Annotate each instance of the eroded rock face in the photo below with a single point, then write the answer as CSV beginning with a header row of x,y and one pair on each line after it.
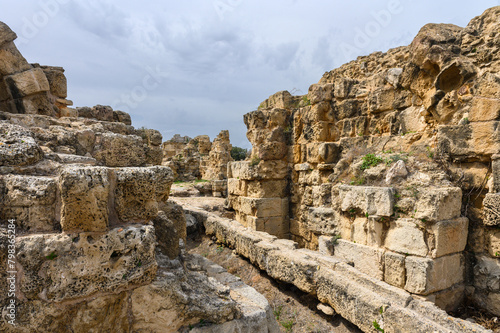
x,y
17,146
79,265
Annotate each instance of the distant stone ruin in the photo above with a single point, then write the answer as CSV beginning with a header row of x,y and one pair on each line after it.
x,y
200,159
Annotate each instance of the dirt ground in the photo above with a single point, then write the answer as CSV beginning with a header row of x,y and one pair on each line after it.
x,y
295,311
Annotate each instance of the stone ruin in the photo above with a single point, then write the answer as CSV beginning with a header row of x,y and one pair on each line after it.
x,y
200,159
377,192
391,164
97,246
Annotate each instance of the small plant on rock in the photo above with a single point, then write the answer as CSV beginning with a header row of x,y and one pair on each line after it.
x,y
255,160
51,256
370,160
377,326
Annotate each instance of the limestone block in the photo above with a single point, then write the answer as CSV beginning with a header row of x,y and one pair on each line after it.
x,y
6,34
245,244
168,234
299,228
367,231
484,109
60,267
322,195
326,244
122,117
281,99
320,92
406,236
487,273
29,190
364,258
27,83
477,139
68,112
18,146
488,85
139,191
395,271
152,136
278,226
324,152
293,267
342,87
348,109
491,205
117,150
450,299
350,298
382,100
102,112
11,60
84,198
266,188
264,207
321,220
489,301
34,104
57,81
495,174
272,150
494,243
425,276
437,204
367,199
29,201
243,170
449,237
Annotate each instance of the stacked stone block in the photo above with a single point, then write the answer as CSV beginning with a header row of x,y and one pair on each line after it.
x,y
422,254
259,197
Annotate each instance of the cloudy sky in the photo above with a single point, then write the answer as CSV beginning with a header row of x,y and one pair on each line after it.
x,y
196,67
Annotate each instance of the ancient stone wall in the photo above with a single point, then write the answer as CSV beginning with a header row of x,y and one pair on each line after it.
x,y
369,303
390,164
198,158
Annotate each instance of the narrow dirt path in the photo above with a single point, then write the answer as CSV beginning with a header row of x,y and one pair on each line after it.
x,y
295,310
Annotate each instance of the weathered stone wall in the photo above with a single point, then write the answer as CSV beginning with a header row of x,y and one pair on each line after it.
x,y
363,300
390,164
198,158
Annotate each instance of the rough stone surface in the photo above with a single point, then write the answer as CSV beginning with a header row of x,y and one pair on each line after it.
x,y
69,266
17,146
117,150
406,236
84,198
369,200
354,295
139,191
425,276
492,209
439,204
